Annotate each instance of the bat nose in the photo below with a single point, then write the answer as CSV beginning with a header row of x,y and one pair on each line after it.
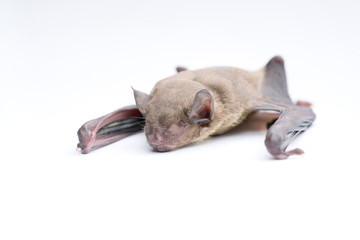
x,y
158,143
155,140
158,137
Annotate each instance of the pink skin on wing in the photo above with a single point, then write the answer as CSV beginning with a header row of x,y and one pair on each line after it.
x,y
89,139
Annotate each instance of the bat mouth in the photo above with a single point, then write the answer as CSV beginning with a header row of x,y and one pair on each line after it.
x,y
162,147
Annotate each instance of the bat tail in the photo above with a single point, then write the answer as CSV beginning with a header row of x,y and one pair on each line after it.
x,y
110,128
274,84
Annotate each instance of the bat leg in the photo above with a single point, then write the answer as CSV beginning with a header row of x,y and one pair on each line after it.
x,y
107,129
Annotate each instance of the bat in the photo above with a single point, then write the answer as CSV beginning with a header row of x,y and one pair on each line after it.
x,y
193,105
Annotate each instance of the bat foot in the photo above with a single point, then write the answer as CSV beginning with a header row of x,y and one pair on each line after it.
x,y
285,155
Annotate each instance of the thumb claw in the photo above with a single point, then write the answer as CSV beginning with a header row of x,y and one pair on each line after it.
x,y
285,155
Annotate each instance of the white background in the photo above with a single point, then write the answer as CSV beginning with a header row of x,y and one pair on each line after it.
x,y
65,62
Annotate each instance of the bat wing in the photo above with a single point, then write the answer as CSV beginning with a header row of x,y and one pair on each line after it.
x,y
112,127
294,118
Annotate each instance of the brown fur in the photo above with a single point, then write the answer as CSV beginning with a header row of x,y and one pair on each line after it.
x,y
233,90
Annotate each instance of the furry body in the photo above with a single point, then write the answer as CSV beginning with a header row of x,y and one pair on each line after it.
x,y
233,90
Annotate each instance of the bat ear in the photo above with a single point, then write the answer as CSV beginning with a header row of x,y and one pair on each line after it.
x,y
141,100
202,112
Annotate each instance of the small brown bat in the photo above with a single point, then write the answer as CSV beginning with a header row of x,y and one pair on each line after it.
x,y
194,105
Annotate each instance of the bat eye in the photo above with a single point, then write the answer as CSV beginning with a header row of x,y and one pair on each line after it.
x,y
202,122
184,124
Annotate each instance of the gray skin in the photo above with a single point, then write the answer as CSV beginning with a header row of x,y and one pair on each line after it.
x,y
194,105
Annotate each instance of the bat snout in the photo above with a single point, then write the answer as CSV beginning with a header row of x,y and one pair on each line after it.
x,y
162,139
159,144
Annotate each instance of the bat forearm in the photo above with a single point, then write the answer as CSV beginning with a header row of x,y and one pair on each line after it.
x,y
107,129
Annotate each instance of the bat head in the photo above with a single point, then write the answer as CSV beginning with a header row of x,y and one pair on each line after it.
x,y
173,120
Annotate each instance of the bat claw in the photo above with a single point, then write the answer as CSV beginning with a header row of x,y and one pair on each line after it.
x,y
303,103
78,148
285,155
